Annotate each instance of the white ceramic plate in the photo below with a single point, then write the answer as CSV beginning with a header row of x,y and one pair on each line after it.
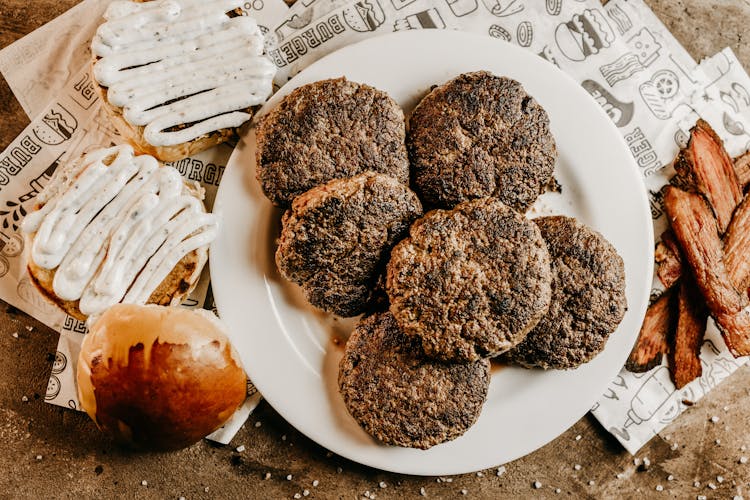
x,y
287,347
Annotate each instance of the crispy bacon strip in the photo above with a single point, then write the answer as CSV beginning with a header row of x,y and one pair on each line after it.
x,y
685,344
695,229
737,247
742,167
652,340
705,165
668,260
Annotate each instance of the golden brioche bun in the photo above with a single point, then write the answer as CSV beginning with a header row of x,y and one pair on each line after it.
x,y
157,377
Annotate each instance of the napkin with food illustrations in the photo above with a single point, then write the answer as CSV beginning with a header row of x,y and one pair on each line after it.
x,y
620,53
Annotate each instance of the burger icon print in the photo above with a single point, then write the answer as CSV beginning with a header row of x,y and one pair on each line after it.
x,y
584,35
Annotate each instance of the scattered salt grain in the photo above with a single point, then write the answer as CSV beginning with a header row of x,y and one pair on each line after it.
x,y
537,485
480,474
674,446
240,448
578,437
15,335
297,495
258,424
38,457
718,441
714,419
720,479
339,470
743,460
636,461
557,490
670,477
659,487
701,497
592,483
697,484
205,490
267,476
620,475
500,470
283,438
144,483
737,497
422,492
305,493
464,492
25,399
315,483
577,466
726,408
288,477
712,486
29,328
382,484
447,479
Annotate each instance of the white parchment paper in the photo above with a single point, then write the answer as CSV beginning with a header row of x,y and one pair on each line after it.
x,y
620,53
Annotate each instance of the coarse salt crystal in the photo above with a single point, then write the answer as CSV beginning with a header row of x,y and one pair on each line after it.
x,y
480,474
659,487
288,477
743,460
38,457
305,493
15,335
712,486
267,476
577,466
578,437
25,399
697,484
315,483
537,485
501,470
592,483
144,483
422,492
674,446
557,490
382,484
297,495
240,448
464,492
257,424
720,479
714,419
670,477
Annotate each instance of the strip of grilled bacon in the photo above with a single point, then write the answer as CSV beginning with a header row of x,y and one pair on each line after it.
x,y
685,344
705,165
695,228
737,247
652,340
742,167
668,260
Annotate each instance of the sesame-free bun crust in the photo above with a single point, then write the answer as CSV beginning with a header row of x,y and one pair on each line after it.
x,y
159,377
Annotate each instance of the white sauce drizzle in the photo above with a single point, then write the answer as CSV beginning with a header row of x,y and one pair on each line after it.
x,y
154,52
114,232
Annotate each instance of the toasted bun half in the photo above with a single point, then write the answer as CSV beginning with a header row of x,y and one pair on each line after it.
x,y
158,377
172,290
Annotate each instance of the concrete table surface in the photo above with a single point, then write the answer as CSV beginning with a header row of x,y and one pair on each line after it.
x,y
50,452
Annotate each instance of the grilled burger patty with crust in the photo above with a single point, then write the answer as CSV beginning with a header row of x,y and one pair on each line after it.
x,y
470,282
401,397
480,135
336,238
588,298
328,130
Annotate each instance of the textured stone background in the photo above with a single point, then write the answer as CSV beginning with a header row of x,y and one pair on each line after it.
x,y
48,452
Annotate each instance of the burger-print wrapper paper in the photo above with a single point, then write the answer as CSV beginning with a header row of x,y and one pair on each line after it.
x,y
67,120
620,53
